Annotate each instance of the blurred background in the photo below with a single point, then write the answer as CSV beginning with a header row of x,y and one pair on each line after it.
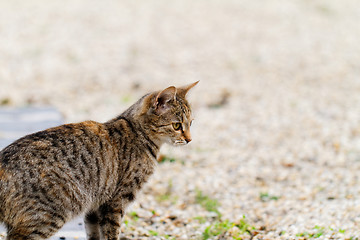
x,y
276,137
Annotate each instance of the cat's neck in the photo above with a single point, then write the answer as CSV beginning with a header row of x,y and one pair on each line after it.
x,y
138,126
134,116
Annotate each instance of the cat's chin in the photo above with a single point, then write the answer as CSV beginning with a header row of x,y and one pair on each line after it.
x,y
175,143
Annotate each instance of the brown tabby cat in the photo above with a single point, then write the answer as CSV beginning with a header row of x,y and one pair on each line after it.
x,y
49,177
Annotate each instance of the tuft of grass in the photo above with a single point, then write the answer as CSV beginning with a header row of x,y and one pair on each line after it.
x,y
163,159
217,229
318,232
5,101
222,228
169,237
126,99
223,100
303,234
163,197
153,233
207,203
265,197
244,226
167,196
134,216
201,220
325,10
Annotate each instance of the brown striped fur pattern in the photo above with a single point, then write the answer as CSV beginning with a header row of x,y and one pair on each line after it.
x,y
49,177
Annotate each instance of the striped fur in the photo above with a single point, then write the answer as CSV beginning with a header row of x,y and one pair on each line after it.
x,y
96,169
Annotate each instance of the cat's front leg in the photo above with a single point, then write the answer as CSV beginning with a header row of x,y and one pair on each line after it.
x,y
111,214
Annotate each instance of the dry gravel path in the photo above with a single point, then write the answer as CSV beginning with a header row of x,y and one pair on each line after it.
x,y
277,130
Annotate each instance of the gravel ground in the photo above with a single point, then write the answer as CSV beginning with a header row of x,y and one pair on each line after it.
x,y
276,150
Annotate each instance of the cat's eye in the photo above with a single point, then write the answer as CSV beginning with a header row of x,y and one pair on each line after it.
x,y
177,126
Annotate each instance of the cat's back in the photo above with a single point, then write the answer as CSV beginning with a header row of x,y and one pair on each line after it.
x,y
73,159
52,145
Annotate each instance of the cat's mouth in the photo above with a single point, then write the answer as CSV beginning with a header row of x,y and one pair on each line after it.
x,y
180,142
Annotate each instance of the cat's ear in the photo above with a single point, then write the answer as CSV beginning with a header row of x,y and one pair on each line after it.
x,y
163,98
182,91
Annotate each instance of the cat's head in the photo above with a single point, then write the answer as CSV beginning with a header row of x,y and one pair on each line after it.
x,y
169,115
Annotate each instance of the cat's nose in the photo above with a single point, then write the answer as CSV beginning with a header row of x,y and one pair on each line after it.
x,y
187,136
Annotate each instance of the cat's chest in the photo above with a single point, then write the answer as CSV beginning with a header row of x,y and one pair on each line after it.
x,y
138,172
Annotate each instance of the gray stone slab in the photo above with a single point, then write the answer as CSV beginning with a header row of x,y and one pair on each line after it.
x,y
16,123
73,230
